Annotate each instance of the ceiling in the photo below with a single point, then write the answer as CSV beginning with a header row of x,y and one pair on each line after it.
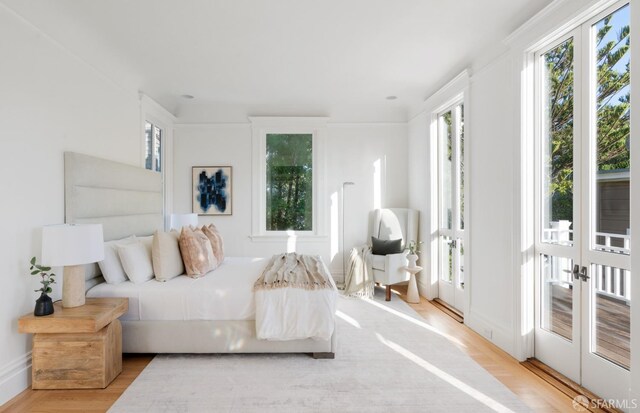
x,y
338,58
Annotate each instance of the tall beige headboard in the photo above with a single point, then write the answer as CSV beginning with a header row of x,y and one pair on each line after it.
x,y
125,199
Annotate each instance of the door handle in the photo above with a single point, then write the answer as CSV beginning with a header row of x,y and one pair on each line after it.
x,y
583,274
575,272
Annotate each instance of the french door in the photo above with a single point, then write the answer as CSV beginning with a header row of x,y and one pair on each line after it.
x,y
583,277
451,206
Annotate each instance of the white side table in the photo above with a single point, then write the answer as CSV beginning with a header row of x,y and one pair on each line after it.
x,y
412,289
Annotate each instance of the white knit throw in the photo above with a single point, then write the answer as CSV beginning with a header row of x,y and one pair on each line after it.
x,y
358,281
294,271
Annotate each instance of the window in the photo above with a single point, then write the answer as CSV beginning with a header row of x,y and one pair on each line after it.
x,y
153,147
287,177
289,159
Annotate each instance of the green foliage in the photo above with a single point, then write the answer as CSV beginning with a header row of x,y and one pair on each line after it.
x,y
414,247
289,182
43,272
612,106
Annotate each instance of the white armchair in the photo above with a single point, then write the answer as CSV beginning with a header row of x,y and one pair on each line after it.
x,y
392,224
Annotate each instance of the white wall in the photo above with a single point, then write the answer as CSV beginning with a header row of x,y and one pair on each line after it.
x,y
491,186
352,150
50,102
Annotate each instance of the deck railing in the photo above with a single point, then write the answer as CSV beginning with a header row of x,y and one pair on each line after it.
x,y
609,281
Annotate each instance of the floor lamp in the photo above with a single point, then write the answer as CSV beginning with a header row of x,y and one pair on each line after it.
x,y
344,267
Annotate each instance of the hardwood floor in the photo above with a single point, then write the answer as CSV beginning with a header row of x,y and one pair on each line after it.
x,y
539,395
613,323
535,392
80,401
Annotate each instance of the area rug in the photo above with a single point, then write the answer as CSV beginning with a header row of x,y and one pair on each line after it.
x,y
388,360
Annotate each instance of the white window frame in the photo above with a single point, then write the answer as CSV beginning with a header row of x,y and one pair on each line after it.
x,y
151,111
261,127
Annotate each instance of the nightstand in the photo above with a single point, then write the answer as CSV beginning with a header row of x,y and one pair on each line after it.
x,y
79,347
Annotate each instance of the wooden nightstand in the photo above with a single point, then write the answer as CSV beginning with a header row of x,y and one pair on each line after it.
x,y
79,347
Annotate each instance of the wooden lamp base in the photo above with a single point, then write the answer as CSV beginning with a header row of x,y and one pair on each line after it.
x,y
73,292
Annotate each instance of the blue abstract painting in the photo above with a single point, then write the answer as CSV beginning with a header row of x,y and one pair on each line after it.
x,y
212,190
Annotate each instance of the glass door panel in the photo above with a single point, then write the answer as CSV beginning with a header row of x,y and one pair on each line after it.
x,y
557,151
451,213
557,295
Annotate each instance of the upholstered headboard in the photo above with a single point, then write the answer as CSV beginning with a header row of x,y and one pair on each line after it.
x,y
125,199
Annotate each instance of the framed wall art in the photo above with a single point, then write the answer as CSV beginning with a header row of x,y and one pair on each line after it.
x,y
212,190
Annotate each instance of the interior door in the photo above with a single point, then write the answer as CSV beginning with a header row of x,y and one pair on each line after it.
x,y
451,212
583,212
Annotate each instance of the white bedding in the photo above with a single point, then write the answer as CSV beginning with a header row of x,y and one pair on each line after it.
x,y
223,294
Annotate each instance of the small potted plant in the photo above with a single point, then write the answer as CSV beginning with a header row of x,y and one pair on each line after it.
x,y
414,250
44,305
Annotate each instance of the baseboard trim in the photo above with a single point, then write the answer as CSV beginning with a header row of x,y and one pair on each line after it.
x,y
15,377
496,334
587,399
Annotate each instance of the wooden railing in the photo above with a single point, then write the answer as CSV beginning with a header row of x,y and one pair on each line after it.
x,y
609,281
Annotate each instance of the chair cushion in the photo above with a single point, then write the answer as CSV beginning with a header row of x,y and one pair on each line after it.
x,y
384,247
377,262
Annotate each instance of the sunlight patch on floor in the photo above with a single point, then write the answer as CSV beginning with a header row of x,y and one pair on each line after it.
x,y
348,319
414,321
476,394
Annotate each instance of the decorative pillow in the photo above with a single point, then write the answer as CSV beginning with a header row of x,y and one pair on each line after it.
x,y
385,247
165,255
136,261
146,241
216,241
111,267
197,252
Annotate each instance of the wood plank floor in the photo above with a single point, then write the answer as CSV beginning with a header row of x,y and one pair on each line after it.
x,y
613,324
539,395
535,392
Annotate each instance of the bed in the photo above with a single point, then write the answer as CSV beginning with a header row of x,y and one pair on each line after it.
x,y
212,314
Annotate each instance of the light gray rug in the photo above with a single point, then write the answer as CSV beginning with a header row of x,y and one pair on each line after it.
x,y
389,360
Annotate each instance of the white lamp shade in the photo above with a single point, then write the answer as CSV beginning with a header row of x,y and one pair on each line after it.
x,y
178,221
72,244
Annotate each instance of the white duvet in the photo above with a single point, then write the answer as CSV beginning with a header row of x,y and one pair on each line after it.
x,y
223,294
294,313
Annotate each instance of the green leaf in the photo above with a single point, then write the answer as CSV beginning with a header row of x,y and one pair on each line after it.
x,y
33,261
46,268
35,272
49,290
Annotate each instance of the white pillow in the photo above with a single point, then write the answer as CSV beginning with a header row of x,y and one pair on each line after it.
x,y
147,242
165,254
111,267
136,261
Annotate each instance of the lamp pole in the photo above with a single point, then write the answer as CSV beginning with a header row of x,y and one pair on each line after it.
x,y
344,268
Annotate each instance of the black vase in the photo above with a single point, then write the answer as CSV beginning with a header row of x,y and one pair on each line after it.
x,y
44,306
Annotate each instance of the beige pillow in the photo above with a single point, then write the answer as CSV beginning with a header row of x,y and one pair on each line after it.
x,y
196,252
165,254
136,261
216,241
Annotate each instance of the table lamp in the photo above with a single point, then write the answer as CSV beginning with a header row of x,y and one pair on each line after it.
x,y
178,221
71,246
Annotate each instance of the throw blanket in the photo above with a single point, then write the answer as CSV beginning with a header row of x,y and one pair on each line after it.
x,y
358,281
295,299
